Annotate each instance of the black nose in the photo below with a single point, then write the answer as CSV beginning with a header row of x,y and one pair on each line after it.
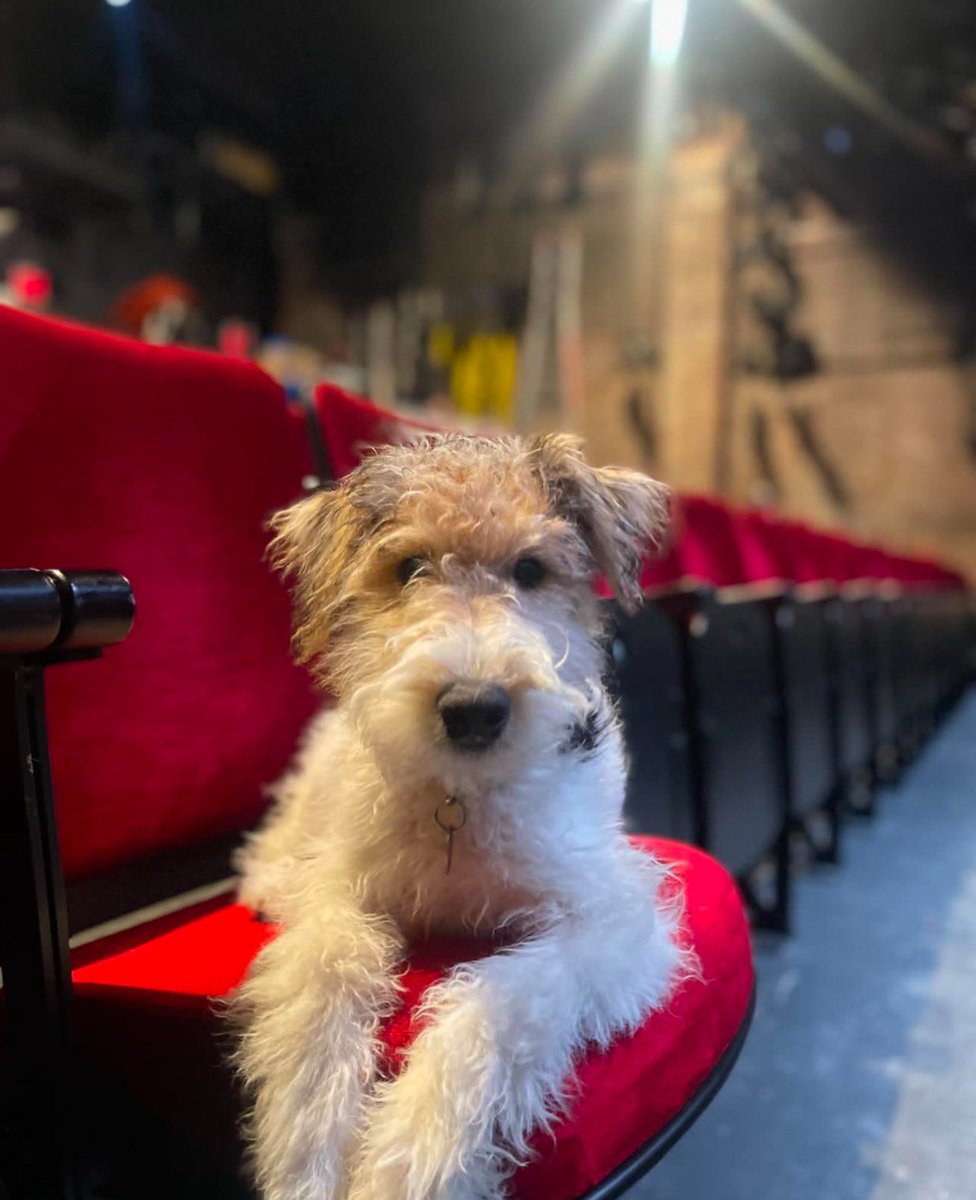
x,y
474,715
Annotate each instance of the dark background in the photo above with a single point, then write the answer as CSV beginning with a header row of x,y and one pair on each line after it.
x,y
361,103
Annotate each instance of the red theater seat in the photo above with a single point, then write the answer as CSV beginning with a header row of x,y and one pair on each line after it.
x,y
163,464
627,1096
351,425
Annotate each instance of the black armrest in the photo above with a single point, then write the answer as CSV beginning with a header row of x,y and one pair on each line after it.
x,y
46,617
30,612
45,612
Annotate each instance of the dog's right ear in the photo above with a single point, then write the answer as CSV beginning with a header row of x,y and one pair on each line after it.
x,y
621,514
312,546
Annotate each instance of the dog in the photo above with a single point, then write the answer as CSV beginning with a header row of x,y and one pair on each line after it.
x,y
468,778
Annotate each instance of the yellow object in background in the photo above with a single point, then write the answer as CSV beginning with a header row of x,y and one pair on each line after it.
x,y
483,376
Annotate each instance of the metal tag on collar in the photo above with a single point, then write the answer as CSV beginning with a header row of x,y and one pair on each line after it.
x,y
450,816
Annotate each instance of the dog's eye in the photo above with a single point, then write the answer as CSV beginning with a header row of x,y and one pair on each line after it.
x,y
529,573
409,568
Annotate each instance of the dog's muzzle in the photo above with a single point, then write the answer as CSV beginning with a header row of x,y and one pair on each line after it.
x,y
474,715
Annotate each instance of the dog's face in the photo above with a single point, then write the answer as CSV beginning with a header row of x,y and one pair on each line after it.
x,y
444,593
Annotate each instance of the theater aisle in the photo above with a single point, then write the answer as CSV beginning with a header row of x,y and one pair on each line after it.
x,y
858,1081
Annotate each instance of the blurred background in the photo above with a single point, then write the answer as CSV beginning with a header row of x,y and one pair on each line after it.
x,y
729,241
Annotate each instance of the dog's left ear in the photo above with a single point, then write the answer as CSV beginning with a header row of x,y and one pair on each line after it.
x,y
620,514
313,546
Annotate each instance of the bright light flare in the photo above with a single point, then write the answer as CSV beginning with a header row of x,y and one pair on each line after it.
x,y
544,130
667,30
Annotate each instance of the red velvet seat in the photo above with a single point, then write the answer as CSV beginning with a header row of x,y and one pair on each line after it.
x,y
708,548
163,464
351,425
626,1096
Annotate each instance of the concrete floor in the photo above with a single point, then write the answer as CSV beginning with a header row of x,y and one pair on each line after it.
x,y
858,1081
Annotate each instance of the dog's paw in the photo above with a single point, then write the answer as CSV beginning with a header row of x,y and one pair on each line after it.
x,y
395,1177
429,1132
405,1155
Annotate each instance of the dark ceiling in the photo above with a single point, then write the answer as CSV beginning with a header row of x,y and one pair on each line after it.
x,y
361,101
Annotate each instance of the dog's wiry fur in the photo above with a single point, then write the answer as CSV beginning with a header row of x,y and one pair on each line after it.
x,y
351,863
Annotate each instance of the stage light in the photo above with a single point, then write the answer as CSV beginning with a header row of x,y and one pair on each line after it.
x,y
667,30
117,3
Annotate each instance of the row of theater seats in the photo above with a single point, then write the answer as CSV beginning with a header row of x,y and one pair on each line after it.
x,y
758,717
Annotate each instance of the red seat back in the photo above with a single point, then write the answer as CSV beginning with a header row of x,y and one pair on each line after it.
x,y
708,547
162,464
766,553
351,425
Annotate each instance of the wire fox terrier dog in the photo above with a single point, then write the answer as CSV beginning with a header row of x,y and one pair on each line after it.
x,y
468,779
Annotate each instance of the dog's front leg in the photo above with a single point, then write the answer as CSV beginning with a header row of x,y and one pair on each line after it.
x,y
309,1011
491,1065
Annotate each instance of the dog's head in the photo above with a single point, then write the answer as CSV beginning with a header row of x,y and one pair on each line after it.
x,y
443,591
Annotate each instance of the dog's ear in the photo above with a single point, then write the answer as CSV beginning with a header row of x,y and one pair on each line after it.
x,y
620,514
313,543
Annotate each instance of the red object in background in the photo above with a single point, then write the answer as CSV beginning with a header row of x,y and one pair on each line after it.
x,y
236,339
129,312
626,1094
30,285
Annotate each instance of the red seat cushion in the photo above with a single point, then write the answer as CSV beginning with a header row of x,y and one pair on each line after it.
x,y
626,1095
